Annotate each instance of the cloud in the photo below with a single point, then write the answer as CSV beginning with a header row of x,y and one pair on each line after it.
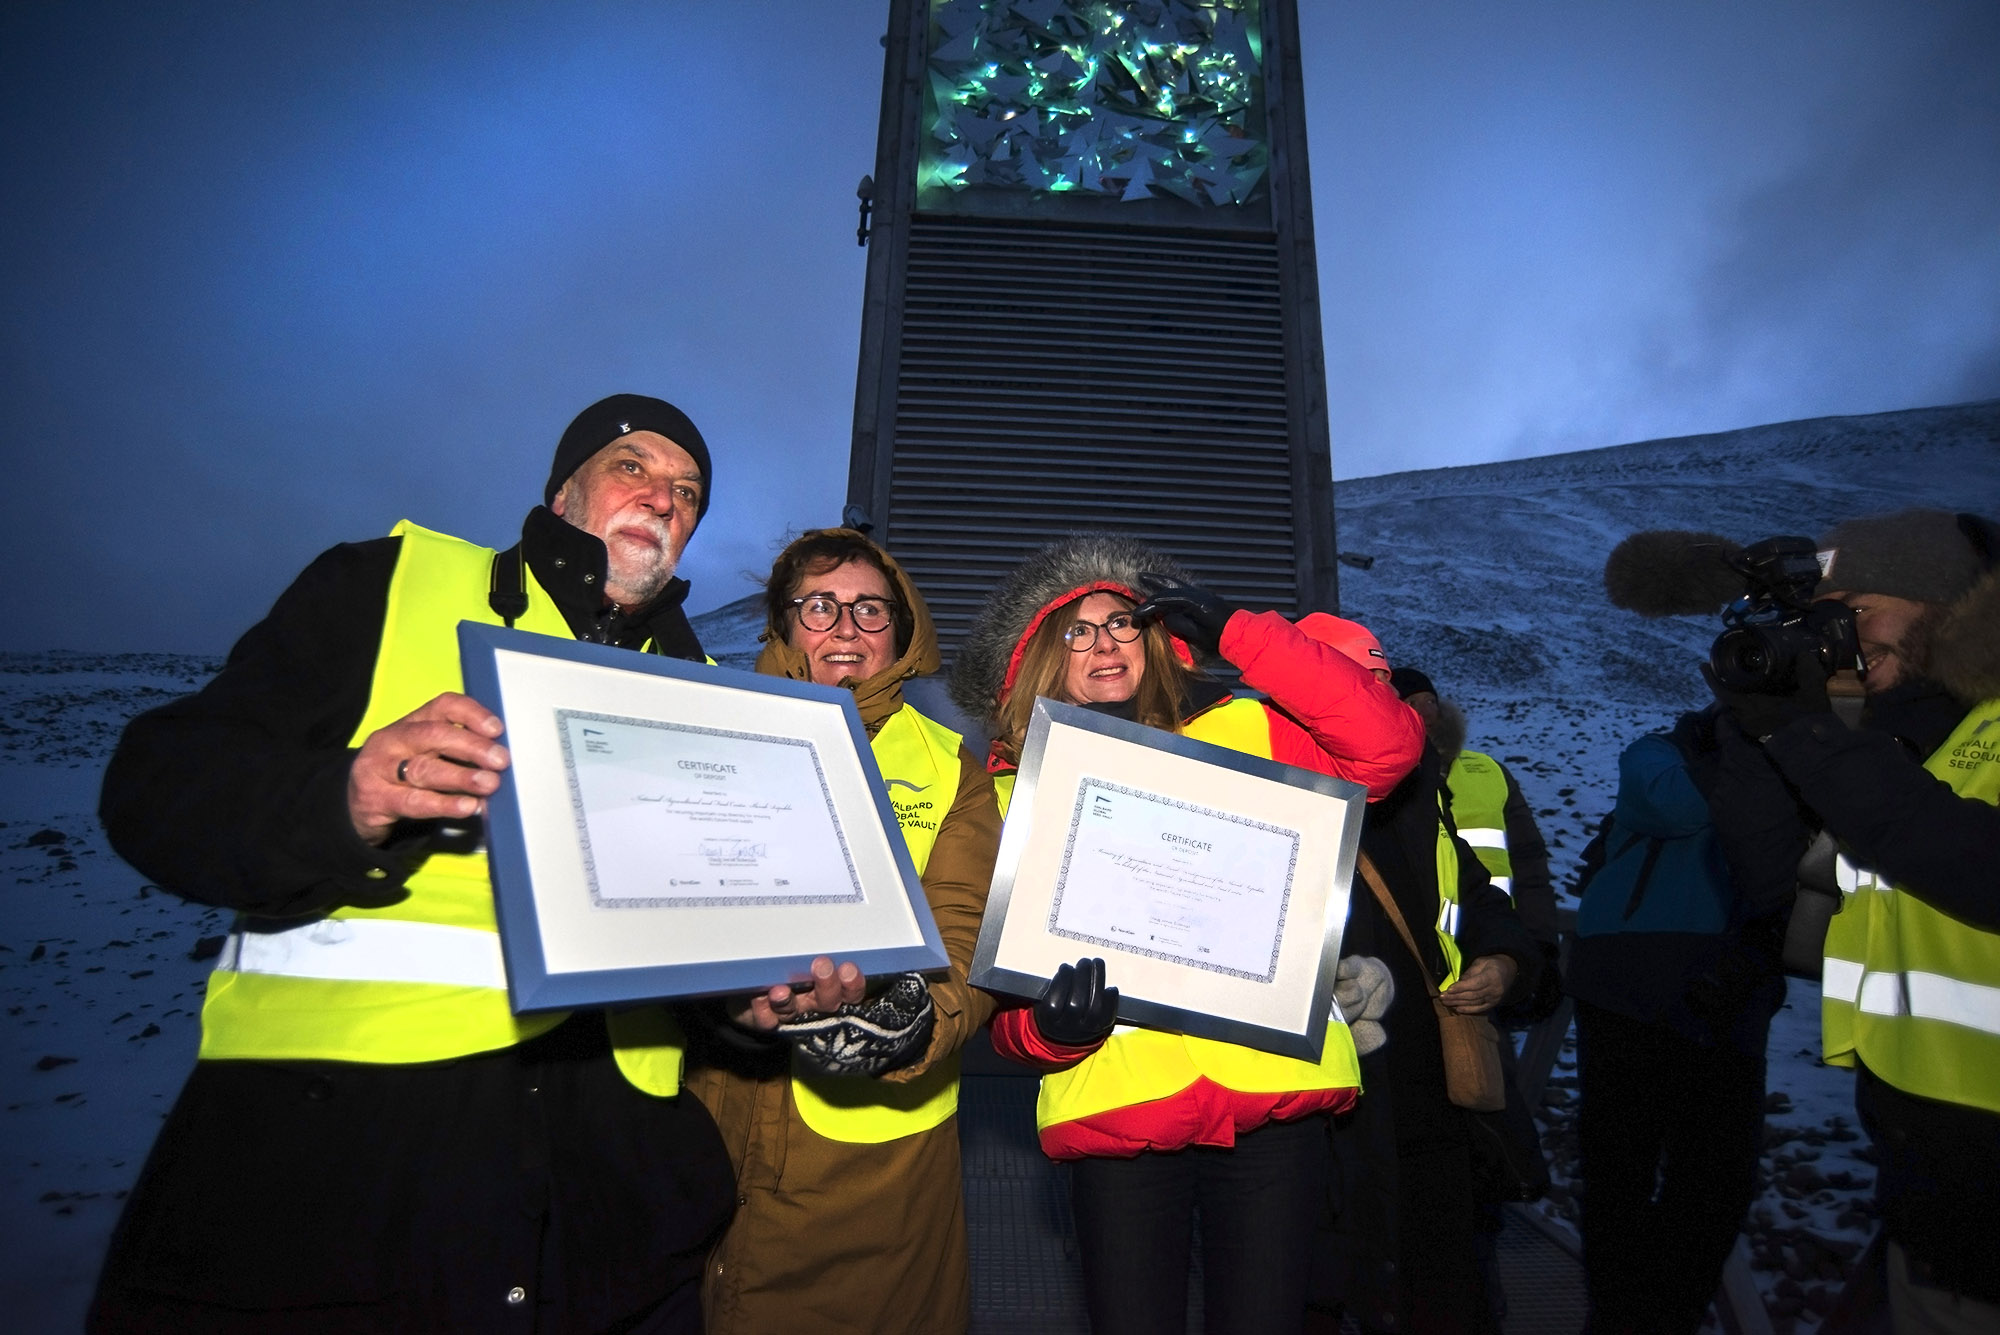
x,y
1865,274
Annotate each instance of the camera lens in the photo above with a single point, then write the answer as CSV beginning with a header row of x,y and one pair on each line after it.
x,y
1750,658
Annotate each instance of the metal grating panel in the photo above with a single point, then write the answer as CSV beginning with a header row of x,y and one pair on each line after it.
x,y
1057,376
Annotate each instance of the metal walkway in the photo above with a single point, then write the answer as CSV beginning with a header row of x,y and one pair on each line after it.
x,y
1025,1275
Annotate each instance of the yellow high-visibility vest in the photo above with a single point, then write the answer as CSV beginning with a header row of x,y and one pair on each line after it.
x,y
420,980
1479,809
919,762
1908,989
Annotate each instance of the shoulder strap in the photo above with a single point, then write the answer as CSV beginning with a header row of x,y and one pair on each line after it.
x,y
507,588
1388,902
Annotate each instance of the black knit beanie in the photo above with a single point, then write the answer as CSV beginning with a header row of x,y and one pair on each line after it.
x,y
620,415
1923,555
1407,682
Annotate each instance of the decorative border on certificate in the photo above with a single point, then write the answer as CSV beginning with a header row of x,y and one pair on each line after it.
x,y
1192,881
721,852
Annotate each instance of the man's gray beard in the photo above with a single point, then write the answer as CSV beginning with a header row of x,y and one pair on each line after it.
x,y
635,588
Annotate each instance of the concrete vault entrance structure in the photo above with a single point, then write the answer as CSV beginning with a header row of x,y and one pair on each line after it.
x,y
1092,300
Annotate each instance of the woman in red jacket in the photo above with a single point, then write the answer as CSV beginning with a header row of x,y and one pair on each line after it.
x,y
1162,1127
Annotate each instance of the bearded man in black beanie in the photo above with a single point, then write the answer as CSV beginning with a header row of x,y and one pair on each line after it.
x,y
370,1139
1911,986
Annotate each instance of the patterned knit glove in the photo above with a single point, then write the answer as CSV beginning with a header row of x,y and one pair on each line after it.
x,y
889,1030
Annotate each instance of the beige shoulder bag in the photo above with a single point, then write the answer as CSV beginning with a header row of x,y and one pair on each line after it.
x,y
1471,1044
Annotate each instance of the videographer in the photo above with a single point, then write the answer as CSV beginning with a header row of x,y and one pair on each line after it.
x,y
1912,960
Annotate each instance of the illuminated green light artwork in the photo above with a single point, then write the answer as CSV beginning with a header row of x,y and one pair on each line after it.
x,y
1121,102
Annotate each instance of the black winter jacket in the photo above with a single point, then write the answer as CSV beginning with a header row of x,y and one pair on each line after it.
x,y
415,1197
1399,1250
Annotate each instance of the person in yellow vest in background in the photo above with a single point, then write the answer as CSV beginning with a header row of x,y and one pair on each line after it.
x,y
1491,814
842,1126
1910,997
370,1139
1159,1128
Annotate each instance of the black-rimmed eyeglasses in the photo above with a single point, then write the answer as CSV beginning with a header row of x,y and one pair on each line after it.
x,y
820,612
1082,634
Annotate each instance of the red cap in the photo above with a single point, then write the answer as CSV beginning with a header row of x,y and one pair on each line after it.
x,y
1350,637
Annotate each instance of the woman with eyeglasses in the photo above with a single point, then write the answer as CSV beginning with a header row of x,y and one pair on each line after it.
x,y
1159,1127
842,1124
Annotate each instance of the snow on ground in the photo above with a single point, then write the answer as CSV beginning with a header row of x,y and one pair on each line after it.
x,y
1486,577
100,980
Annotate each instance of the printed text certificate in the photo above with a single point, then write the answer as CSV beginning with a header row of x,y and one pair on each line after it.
x,y
678,815
1174,881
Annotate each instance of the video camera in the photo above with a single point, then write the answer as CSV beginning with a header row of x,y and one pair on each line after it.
x,y
1770,617
1776,620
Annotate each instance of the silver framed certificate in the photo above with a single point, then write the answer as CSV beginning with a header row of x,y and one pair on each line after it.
x,y
670,829
1213,883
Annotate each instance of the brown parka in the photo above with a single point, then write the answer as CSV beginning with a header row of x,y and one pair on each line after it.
x,y
832,1236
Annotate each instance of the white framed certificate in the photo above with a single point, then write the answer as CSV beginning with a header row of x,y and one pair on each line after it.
x,y
670,829
1213,883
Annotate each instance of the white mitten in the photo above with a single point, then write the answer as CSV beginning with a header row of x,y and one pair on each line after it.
x,y
1363,989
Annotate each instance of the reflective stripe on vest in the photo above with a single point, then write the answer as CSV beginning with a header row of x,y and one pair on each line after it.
x,y
1907,989
420,980
1141,1065
920,765
1479,809
1447,874
1447,920
371,950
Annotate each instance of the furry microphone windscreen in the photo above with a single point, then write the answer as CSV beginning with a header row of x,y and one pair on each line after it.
x,y
1672,572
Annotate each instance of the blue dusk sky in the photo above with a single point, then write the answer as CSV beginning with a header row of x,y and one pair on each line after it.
x,y
279,274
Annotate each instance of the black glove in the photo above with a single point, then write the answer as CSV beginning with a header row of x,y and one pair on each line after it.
x,y
1195,615
1759,714
1076,1009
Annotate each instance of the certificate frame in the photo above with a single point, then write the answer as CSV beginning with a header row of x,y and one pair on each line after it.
x,y
566,942
1069,750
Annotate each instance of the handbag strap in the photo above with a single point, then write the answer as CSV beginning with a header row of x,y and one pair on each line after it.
x,y
1388,902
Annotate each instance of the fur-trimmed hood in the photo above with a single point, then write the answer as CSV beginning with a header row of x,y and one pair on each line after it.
x,y
1447,731
1080,564
1965,651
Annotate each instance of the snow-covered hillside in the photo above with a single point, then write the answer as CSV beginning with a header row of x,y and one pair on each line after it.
x,y
1490,577
1486,577
1492,574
